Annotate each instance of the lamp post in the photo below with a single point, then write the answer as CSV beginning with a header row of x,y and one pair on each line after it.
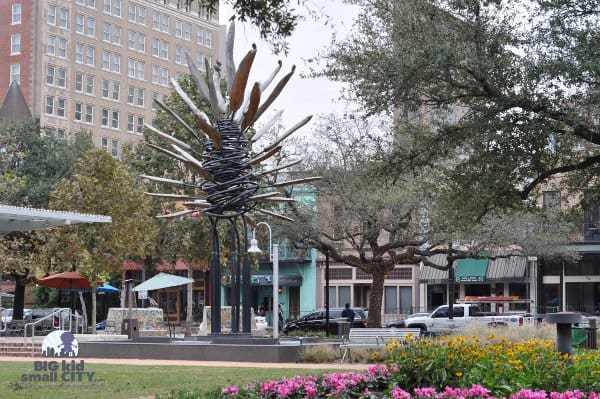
x,y
274,257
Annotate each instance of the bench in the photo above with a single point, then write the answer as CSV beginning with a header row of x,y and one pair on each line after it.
x,y
374,338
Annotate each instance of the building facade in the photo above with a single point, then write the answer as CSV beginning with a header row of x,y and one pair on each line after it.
x,y
95,65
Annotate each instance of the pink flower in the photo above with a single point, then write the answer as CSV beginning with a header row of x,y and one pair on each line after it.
x,y
425,392
398,393
232,390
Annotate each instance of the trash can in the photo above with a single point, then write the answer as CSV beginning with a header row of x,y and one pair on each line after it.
x,y
343,328
130,328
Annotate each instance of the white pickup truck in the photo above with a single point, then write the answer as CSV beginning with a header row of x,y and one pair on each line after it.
x,y
464,315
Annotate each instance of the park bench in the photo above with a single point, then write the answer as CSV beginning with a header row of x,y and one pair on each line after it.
x,y
374,338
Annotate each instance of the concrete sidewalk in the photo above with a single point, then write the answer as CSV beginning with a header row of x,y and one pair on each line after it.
x,y
155,362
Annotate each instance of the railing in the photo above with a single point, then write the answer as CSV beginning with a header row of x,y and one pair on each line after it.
x,y
57,321
591,231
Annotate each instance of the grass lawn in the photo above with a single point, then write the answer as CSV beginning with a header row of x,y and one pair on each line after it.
x,y
126,381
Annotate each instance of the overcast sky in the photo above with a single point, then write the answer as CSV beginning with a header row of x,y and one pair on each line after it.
x,y
302,96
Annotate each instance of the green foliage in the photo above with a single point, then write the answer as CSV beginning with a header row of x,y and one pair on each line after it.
x,y
498,95
100,185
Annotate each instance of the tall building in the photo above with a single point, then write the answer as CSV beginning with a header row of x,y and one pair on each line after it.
x,y
95,65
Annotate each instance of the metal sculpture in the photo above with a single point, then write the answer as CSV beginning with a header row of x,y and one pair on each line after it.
x,y
230,186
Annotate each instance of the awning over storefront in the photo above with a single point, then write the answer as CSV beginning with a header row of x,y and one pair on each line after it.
x,y
284,281
470,270
506,269
432,275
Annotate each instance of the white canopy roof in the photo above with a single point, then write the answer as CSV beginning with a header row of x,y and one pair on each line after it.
x,y
16,218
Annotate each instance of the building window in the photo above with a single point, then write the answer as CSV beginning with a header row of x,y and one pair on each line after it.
x,y
62,47
79,53
178,55
164,76
164,50
140,97
116,91
208,38
78,82
50,105
132,12
389,300
106,32
104,117
131,41
61,80
63,18
115,120
78,111
140,124
51,46
116,66
89,113
114,148
15,73
15,44
51,15
60,134
50,72
153,103
89,59
89,87
60,107
16,14
141,43
155,74
178,28
104,142
90,28
112,7
142,15
79,23
116,35
130,123
105,88
106,60
130,94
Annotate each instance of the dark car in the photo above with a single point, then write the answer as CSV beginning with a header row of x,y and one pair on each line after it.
x,y
315,321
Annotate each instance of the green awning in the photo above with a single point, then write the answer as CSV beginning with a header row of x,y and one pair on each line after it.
x,y
470,270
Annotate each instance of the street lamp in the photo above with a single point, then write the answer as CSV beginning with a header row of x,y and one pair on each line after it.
x,y
274,257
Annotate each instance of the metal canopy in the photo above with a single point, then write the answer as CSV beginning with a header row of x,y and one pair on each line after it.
x,y
15,218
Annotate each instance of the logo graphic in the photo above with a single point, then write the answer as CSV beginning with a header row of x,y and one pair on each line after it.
x,y
60,344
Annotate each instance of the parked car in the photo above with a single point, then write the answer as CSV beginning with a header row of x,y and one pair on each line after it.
x,y
401,323
315,321
8,313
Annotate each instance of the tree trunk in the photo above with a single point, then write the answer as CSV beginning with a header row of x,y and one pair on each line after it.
x,y
189,308
19,299
93,321
375,297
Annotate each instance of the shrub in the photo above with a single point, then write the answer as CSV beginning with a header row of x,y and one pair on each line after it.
x,y
502,366
319,353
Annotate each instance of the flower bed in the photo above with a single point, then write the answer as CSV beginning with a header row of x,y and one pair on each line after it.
x,y
453,367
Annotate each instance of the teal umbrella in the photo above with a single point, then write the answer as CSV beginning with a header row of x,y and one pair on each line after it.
x,y
162,280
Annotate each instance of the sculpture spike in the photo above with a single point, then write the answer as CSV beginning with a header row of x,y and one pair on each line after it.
x,y
297,181
220,101
170,196
190,160
268,80
236,95
189,101
167,152
277,199
212,93
167,137
165,180
176,214
229,62
276,215
197,78
264,155
211,132
252,107
289,132
187,127
280,167
264,195
276,91
267,126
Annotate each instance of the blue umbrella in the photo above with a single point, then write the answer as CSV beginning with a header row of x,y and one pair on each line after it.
x,y
104,288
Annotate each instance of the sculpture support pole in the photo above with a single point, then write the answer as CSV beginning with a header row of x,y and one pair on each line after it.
x,y
215,282
246,294
235,279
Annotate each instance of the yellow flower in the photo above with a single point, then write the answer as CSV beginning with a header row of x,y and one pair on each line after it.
x,y
459,373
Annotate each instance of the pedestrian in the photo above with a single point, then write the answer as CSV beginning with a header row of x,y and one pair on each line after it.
x,y
348,313
280,317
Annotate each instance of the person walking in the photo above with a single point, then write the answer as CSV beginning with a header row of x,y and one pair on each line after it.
x,y
348,313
